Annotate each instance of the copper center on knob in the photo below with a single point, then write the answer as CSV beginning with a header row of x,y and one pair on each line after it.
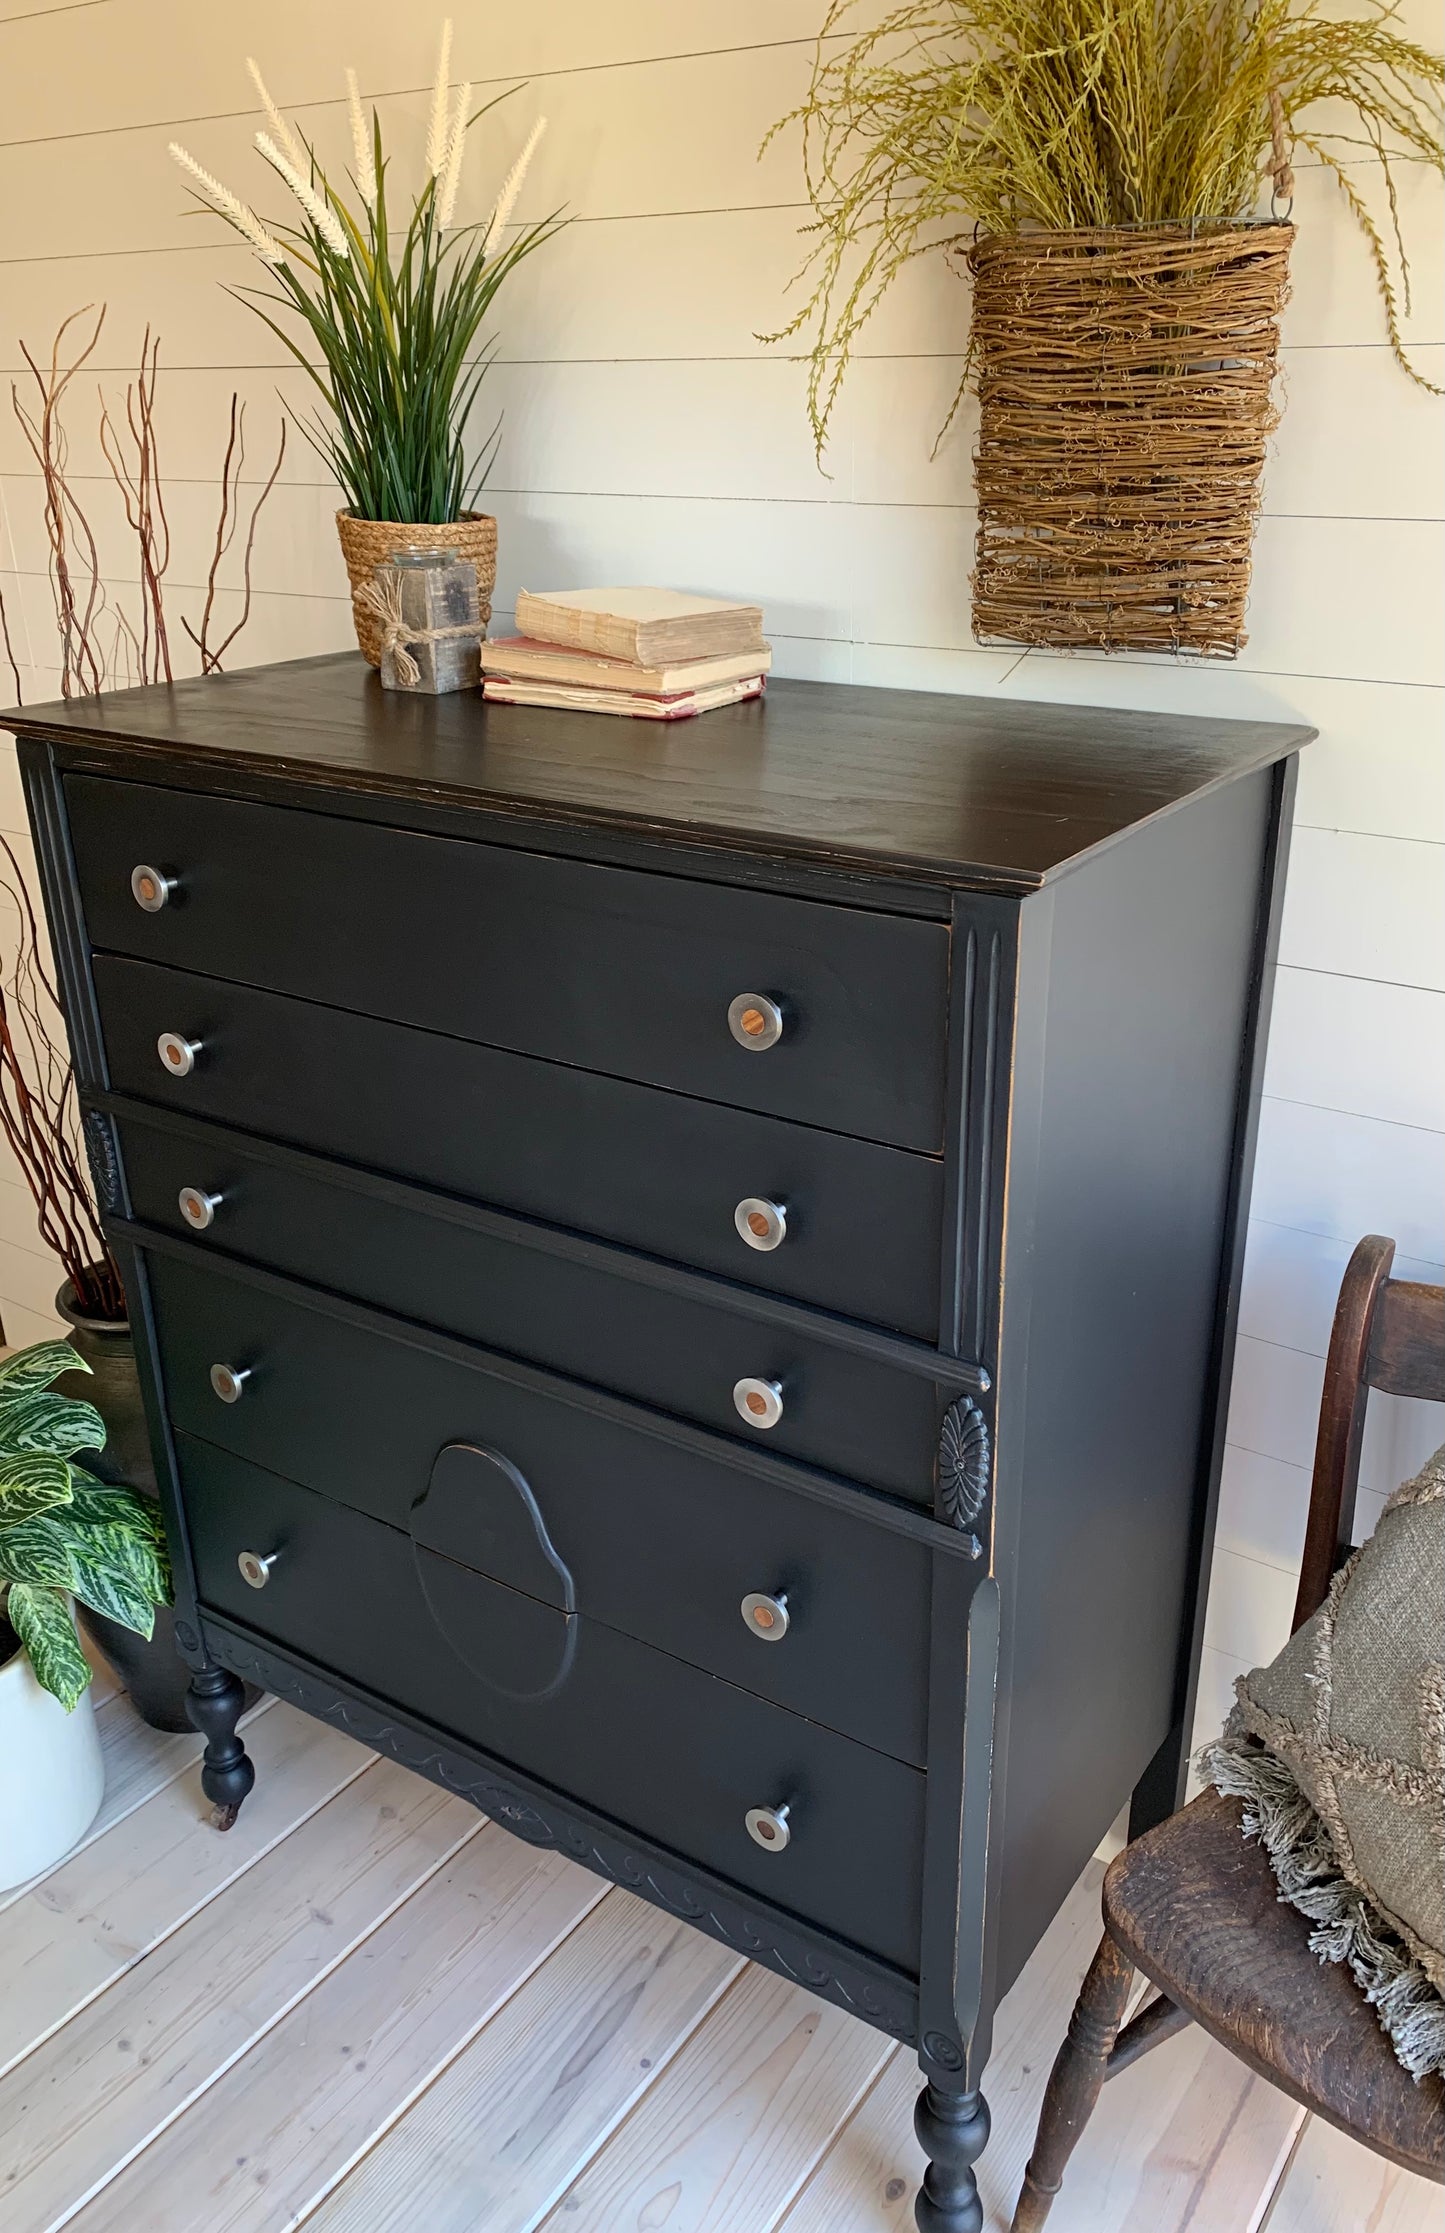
x,y
148,887
762,1618
173,1057
757,1405
754,1022
758,1224
766,1830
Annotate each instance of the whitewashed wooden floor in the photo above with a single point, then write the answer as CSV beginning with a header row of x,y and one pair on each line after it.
x,y
368,2011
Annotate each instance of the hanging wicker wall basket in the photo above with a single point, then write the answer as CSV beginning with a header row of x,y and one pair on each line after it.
x,y
1126,394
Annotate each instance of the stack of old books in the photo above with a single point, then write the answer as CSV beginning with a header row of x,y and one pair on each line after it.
x,y
652,653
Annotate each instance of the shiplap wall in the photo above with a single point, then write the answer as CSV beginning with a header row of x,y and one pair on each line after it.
x,y
649,436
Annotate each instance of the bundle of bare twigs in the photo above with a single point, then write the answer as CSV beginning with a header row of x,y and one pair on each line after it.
x,y
102,644
1125,383
39,1115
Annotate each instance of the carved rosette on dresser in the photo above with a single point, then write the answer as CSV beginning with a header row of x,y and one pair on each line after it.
x,y
688,1312
964,1462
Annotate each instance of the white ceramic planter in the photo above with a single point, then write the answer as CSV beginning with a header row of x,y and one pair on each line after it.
x,y
52,1776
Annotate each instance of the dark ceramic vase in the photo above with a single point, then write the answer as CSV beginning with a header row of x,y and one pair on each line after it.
x,y
151,1671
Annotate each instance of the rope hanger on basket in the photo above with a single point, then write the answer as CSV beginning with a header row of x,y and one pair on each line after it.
x,y
1280,164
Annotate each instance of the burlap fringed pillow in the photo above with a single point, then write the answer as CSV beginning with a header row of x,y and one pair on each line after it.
x,y
1338,1750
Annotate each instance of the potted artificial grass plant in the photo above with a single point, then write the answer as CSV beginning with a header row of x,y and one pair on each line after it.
x,y
64,1535
1116,177
388,321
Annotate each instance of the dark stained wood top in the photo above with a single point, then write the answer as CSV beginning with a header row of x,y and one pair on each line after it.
x,y
945,790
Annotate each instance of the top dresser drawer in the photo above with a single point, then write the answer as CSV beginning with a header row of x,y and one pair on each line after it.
x,y
606,969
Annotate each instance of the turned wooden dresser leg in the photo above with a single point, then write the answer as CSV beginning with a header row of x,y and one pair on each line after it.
x,y
1075,2082
953,2130
214,1703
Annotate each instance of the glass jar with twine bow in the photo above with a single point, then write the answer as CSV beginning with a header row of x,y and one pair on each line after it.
x,y
425,602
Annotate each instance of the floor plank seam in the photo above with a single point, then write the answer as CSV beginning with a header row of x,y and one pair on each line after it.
x,y
419,2092
609,2132
578,2171
278,2015
1270,2201
104,1824
810,2170
538,2113
799,2200
177,1922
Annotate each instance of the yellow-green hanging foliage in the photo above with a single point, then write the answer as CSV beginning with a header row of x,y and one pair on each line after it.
x,y
1010,114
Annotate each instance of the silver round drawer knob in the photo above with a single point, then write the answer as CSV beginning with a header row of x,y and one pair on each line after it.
x,y
197,1207
762,1224
768,1827
229,1382
256,1570
758,1402
755,1021
766,1617
178,1055
151,888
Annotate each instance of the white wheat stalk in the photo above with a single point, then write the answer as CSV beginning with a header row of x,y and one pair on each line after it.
x,y
362,149
451,176
230,205
322,216
512,187
295,152
437,129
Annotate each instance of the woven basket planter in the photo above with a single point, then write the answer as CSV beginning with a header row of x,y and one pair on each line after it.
x,y
368,543
1126,393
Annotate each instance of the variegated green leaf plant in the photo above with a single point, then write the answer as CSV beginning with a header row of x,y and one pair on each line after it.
x,y
63,1533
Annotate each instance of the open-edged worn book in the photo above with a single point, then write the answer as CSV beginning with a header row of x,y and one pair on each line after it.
x,y
509,690
648,627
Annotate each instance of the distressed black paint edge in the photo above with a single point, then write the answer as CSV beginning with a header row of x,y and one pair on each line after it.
x,y
955,2021
966,1641
844,880
868,1505
980,1028
60,889
1161,1789
987,1116
797,851
962,993
186,1596
878,1995
1018,1115
855,1336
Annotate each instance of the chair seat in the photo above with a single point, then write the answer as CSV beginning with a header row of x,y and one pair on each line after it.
x,y
1197,1909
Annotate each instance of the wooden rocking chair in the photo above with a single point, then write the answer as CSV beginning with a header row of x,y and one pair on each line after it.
x,y
1197,1910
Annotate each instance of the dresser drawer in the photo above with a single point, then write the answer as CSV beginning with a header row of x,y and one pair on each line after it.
x,y
653,1170
657,1745
661,1541
606,968
564,1306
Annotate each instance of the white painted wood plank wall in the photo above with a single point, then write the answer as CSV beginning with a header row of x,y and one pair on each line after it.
x,y
649,435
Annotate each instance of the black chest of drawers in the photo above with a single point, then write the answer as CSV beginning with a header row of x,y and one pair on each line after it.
x,y
685,1283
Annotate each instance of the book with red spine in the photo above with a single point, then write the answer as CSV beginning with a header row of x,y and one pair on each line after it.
x,y
508,690
527,659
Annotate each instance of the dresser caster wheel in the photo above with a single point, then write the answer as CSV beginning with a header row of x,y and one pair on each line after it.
x,y
215,1702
